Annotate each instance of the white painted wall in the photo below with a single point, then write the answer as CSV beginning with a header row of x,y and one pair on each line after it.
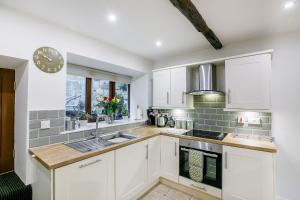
x,y
140,95
285,100
20,36
23,34
21,120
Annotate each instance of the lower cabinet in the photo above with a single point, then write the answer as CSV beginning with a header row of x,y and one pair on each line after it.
x,y
131,170
170,158
248,174
153,159
91,179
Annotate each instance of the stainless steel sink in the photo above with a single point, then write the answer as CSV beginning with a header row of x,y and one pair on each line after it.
x,y
100,142
118,135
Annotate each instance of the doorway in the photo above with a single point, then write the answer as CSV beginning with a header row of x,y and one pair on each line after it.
x,y
7,104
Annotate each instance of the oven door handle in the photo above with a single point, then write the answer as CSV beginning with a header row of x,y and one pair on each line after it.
x,y
206,154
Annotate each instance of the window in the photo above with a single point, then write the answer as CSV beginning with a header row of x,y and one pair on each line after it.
x,y
99,88
82,94
75,101
122,94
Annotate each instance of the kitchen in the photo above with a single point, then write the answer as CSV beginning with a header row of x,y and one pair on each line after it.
x,y
253,103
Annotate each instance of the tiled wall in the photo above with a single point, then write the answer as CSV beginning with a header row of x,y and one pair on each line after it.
x,y
40,137
209,115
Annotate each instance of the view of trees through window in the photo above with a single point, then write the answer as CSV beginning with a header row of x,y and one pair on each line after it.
x,y
99,88
76,91
122,94
77,94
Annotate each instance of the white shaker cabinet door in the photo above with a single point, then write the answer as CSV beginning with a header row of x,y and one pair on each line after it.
x,y
153,159
248,174
178,87
170,158
161,88
91,179
248,82
131,170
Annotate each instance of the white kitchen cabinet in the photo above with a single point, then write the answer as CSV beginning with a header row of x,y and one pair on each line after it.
x,y
131,170
248,174
248,82
170,158
179,87
91,179
153,159
170,87
161,88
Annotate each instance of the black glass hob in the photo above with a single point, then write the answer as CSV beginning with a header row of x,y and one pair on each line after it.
x,y
206,134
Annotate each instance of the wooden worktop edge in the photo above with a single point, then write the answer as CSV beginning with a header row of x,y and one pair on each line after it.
x,y
142,138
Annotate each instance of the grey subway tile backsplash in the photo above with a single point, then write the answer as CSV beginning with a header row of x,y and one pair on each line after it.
x,y
57,122
34,133
39,142
209,114
39,137
61,113
58,138
48,132
34,124
33,115
48,114
76,135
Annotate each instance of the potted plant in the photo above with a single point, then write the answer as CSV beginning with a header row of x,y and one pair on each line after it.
x,y
109,105
125,113
82,119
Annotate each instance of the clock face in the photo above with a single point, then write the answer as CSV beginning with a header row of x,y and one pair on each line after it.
x,y
48,59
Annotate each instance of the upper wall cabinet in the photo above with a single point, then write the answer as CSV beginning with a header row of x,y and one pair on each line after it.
x,y
170,87
248,82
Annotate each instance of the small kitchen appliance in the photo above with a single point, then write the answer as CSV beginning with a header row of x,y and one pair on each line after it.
x,y
151,117
162,120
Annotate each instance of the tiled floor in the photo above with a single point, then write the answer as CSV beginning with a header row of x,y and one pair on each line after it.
x,y
163,192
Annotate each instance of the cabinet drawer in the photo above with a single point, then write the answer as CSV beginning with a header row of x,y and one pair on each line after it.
x,y
201,187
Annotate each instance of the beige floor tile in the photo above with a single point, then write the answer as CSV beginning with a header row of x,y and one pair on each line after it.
x,y
153,196
177,195
162,189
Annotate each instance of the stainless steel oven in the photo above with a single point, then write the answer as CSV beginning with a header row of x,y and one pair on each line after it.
x,y
209,161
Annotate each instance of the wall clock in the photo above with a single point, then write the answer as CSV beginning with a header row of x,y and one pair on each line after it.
x,y
48,59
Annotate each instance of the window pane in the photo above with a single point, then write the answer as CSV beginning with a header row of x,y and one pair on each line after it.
x,y
75,101
99,88
122,93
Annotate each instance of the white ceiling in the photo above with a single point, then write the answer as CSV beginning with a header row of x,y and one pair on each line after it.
x,y
142,22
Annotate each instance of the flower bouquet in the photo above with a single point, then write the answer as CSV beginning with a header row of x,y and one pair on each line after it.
x,y
109,105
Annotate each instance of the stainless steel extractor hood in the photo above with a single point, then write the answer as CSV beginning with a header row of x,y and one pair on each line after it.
x,y
204,80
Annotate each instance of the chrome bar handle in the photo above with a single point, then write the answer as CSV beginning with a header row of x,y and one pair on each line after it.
x,y
229,96
226,165
206,154
90,163
175,144
168,98
182,100
147,152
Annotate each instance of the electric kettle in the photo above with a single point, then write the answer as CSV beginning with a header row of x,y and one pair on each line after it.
x,y
162,120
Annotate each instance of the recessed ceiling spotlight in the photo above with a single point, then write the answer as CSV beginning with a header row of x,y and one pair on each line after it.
x,y
112,17
289,4
158,43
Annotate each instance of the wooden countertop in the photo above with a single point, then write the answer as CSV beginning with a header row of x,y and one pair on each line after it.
x,y
251,144
59,155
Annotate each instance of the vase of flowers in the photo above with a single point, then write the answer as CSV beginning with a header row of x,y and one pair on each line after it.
x,y
109,105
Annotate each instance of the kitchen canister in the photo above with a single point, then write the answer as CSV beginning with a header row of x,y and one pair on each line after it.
x,y
178,124
190,124
183,124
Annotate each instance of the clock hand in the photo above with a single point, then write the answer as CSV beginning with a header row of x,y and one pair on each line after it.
x,y
49,59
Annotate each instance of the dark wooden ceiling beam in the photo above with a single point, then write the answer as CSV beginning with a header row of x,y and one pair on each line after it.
x,y
188,9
